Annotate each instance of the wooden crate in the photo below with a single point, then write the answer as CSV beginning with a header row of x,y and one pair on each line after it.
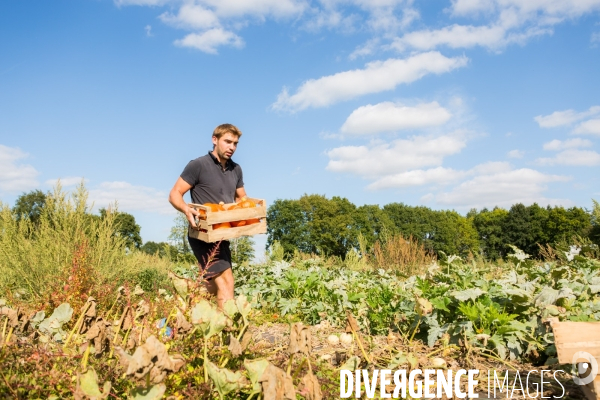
x,y
214,235
571,337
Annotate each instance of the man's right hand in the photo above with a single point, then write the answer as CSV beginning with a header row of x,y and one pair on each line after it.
x,y
191,214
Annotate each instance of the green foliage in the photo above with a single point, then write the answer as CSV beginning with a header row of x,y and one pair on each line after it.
x,y
30,205
126,227
242,249
180,250
500,311
47,259
489,229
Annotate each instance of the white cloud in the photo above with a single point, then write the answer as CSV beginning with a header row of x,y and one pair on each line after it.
x,y
191,16
556,145
436,176
377,76
364,50
503,189
595,38
509,21
590,127
567,117
385,159
388,117
148,29
547,10
66,181
261,8
418,177
455,36
584,158
131,198
15,177
210,40
516,153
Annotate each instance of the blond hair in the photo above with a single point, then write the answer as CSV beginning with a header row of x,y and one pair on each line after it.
x,y
226,128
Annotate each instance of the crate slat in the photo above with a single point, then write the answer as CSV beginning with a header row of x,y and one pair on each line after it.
x,y
229,233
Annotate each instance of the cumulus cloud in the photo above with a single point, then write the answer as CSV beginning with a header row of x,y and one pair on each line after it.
x,y
516,153
131,198
388,117
510,21
573,157
67,181
210,40
556,145
15,176
566,117
385,159
377,76
590,127
191,16
502,188
418,177
436,176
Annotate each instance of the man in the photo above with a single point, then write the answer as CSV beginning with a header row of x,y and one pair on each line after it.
x,y
212,178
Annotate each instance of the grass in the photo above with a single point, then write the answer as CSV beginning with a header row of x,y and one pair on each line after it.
x,y
68,252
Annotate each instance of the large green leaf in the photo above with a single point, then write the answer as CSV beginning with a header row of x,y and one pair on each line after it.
x,y
468,294
255,369
154,392
225,380
88,385
209,320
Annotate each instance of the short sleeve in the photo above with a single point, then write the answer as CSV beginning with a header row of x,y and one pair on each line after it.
x,y
240,181
191,172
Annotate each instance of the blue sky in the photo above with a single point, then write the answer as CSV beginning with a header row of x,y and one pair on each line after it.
x,y
449,104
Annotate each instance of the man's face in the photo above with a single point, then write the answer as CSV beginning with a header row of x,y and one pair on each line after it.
x,y
225,146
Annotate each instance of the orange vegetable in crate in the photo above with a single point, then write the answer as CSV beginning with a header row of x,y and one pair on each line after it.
x,y
222,225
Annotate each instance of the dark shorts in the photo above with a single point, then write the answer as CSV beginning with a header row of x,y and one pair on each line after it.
x,y
221,259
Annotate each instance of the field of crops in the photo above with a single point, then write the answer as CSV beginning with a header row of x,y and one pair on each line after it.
x,y
292,326
83,316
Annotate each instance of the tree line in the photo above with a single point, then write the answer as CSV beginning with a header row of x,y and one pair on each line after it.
x,y
315,224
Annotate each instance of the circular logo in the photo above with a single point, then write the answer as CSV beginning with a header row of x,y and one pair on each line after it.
x,y
583,366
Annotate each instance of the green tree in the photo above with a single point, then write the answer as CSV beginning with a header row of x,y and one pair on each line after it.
x,y
595,221
127,228
30,205
242,249
313,224
562,225
489,226
374,224
418,222
454,234
180,248
287,224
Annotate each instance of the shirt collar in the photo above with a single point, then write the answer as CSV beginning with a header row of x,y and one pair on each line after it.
x,y
228,163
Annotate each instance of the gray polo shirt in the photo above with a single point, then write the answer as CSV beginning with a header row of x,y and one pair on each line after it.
x,y
211,183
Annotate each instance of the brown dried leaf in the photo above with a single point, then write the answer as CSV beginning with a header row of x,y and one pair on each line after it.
x,y
234,346
127,320
12,314
311,387
142,309
98,335
351,324
246,340
277,385
300,339
182,326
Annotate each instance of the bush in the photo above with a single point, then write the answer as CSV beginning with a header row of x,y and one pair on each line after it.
x,y
67,254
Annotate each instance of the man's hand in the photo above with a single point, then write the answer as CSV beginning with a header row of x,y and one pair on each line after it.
x,y
176,199
191,214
